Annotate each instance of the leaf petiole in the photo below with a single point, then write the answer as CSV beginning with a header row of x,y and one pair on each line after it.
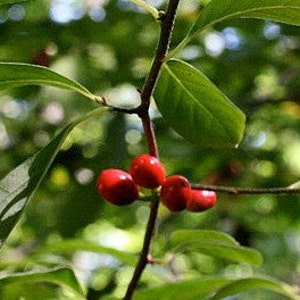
x,y
151,9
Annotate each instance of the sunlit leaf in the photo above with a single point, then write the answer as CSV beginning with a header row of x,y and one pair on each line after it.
x,y
215,244
285,11
214,289
63,277
19,185
186,290
248,284
20,74
194,107
151,9
71,246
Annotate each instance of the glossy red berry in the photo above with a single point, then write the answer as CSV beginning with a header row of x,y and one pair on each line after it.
x,y
147,171
201,200
175,192
117,187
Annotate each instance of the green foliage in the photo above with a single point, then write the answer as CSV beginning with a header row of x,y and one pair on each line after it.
x,y
70,246
215,288
276,10
17,74
218,11
63,277
190,289
20,184
244,284
109,48
213,243
11,1
197,109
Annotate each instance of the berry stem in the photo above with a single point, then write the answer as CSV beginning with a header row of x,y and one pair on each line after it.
x,y
143,260
167,24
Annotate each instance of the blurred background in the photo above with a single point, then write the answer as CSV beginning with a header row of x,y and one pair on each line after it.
x,y
108,45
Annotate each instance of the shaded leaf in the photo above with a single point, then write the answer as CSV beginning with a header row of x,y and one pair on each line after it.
x,y
64,277
81,245
20,74
186,290
215,244
181,237
19,185
247,284
195,108
11,1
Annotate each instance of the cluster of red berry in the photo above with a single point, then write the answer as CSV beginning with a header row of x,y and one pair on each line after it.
x,y
121,188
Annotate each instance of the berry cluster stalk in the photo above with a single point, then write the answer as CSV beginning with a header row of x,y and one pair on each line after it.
x,y
167,24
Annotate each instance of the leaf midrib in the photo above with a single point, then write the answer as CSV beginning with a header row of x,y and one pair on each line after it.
x,y
195,100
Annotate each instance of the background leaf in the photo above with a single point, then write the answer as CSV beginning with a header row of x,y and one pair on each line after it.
x,y
214,288
19,185
237,254
70,246
194,107
215,244
20,74
181,237
285,11
63,277
187,289
11,1
247,284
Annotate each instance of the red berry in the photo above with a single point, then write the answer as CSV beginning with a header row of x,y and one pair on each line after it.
x,y
147,171
117,187
175,192
201,200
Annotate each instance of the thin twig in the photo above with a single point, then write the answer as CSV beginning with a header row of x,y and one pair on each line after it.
x,y
239,190
167,23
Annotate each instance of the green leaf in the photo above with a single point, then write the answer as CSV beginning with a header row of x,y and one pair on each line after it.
x,y
215,244
194,107
11,1
214,288
19,185
67,246
186,290
181,237
151,9
20,74
285,11
220,287
247,284
63,277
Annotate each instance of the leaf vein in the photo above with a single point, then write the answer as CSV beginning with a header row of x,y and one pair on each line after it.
x,y
218,121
